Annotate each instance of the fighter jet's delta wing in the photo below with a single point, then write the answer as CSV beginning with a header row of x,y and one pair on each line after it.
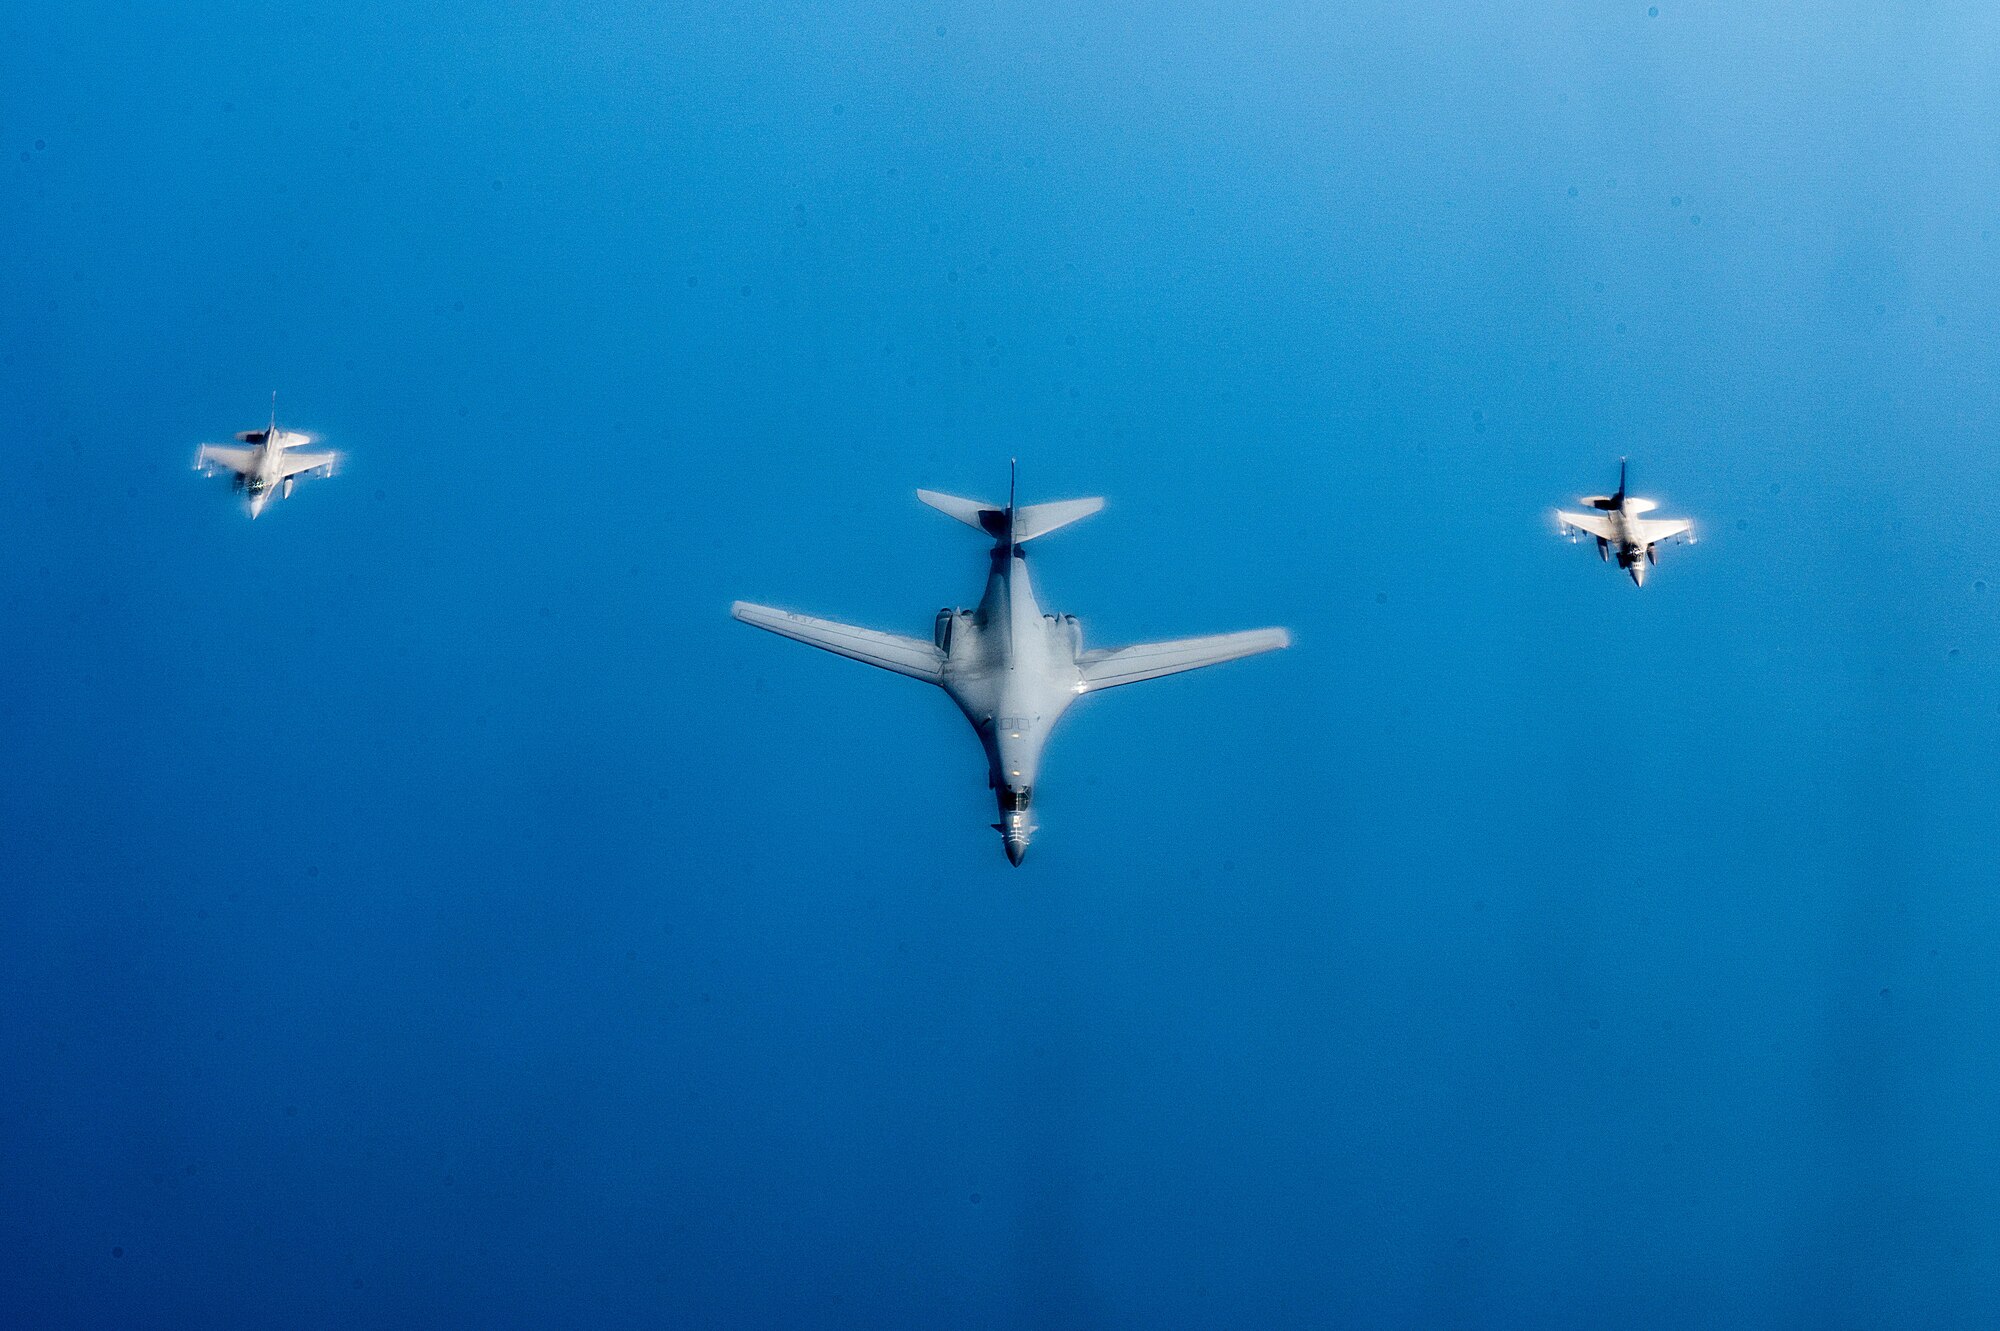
x,y
271,463
1010,668
1590,524
1615,523
239,460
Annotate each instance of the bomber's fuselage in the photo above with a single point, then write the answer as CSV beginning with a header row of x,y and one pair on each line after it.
x,y
1013,671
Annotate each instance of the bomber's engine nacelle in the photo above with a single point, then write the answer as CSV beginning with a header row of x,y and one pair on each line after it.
x,y
944,630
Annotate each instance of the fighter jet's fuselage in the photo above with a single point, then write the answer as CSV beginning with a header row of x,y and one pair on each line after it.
x,y
1633,555
266,473
267,462
1013,671
1618,525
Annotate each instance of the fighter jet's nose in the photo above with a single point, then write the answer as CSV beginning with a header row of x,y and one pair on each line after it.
x,y
1639,572
1017,850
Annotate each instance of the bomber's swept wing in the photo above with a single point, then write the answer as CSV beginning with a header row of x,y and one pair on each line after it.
x,y
238,460
294,463
1596,524
1150,660
1648,530
915,657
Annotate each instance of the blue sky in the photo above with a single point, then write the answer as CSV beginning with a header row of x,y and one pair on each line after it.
x,y
425,903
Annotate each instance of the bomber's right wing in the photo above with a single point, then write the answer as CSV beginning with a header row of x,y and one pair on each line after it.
x,y
914,657
1150,660
210,456
1596,524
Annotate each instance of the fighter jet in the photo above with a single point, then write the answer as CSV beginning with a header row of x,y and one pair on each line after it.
x,y
268,465
1617,526
1012,669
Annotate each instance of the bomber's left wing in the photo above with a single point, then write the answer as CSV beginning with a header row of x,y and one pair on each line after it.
x,y
1594,524
210,456
914,657
291,464
1150,660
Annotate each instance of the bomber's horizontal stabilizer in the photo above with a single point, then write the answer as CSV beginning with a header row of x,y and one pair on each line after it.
x,y
1029,522
989,518
1041,519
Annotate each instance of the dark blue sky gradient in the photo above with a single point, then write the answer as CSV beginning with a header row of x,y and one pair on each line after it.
x,y
424,906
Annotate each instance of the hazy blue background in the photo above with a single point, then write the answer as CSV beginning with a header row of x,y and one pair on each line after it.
x,y
425,904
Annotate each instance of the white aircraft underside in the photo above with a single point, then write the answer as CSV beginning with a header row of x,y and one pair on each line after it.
x,y
266,462
1617,523
1012,669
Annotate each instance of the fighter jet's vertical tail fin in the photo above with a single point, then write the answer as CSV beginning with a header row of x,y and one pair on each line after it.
x,y
274,411
1621,481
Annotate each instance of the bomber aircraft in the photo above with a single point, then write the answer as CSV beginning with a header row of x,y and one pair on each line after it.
x,y
1012,669
1616,524
271,464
